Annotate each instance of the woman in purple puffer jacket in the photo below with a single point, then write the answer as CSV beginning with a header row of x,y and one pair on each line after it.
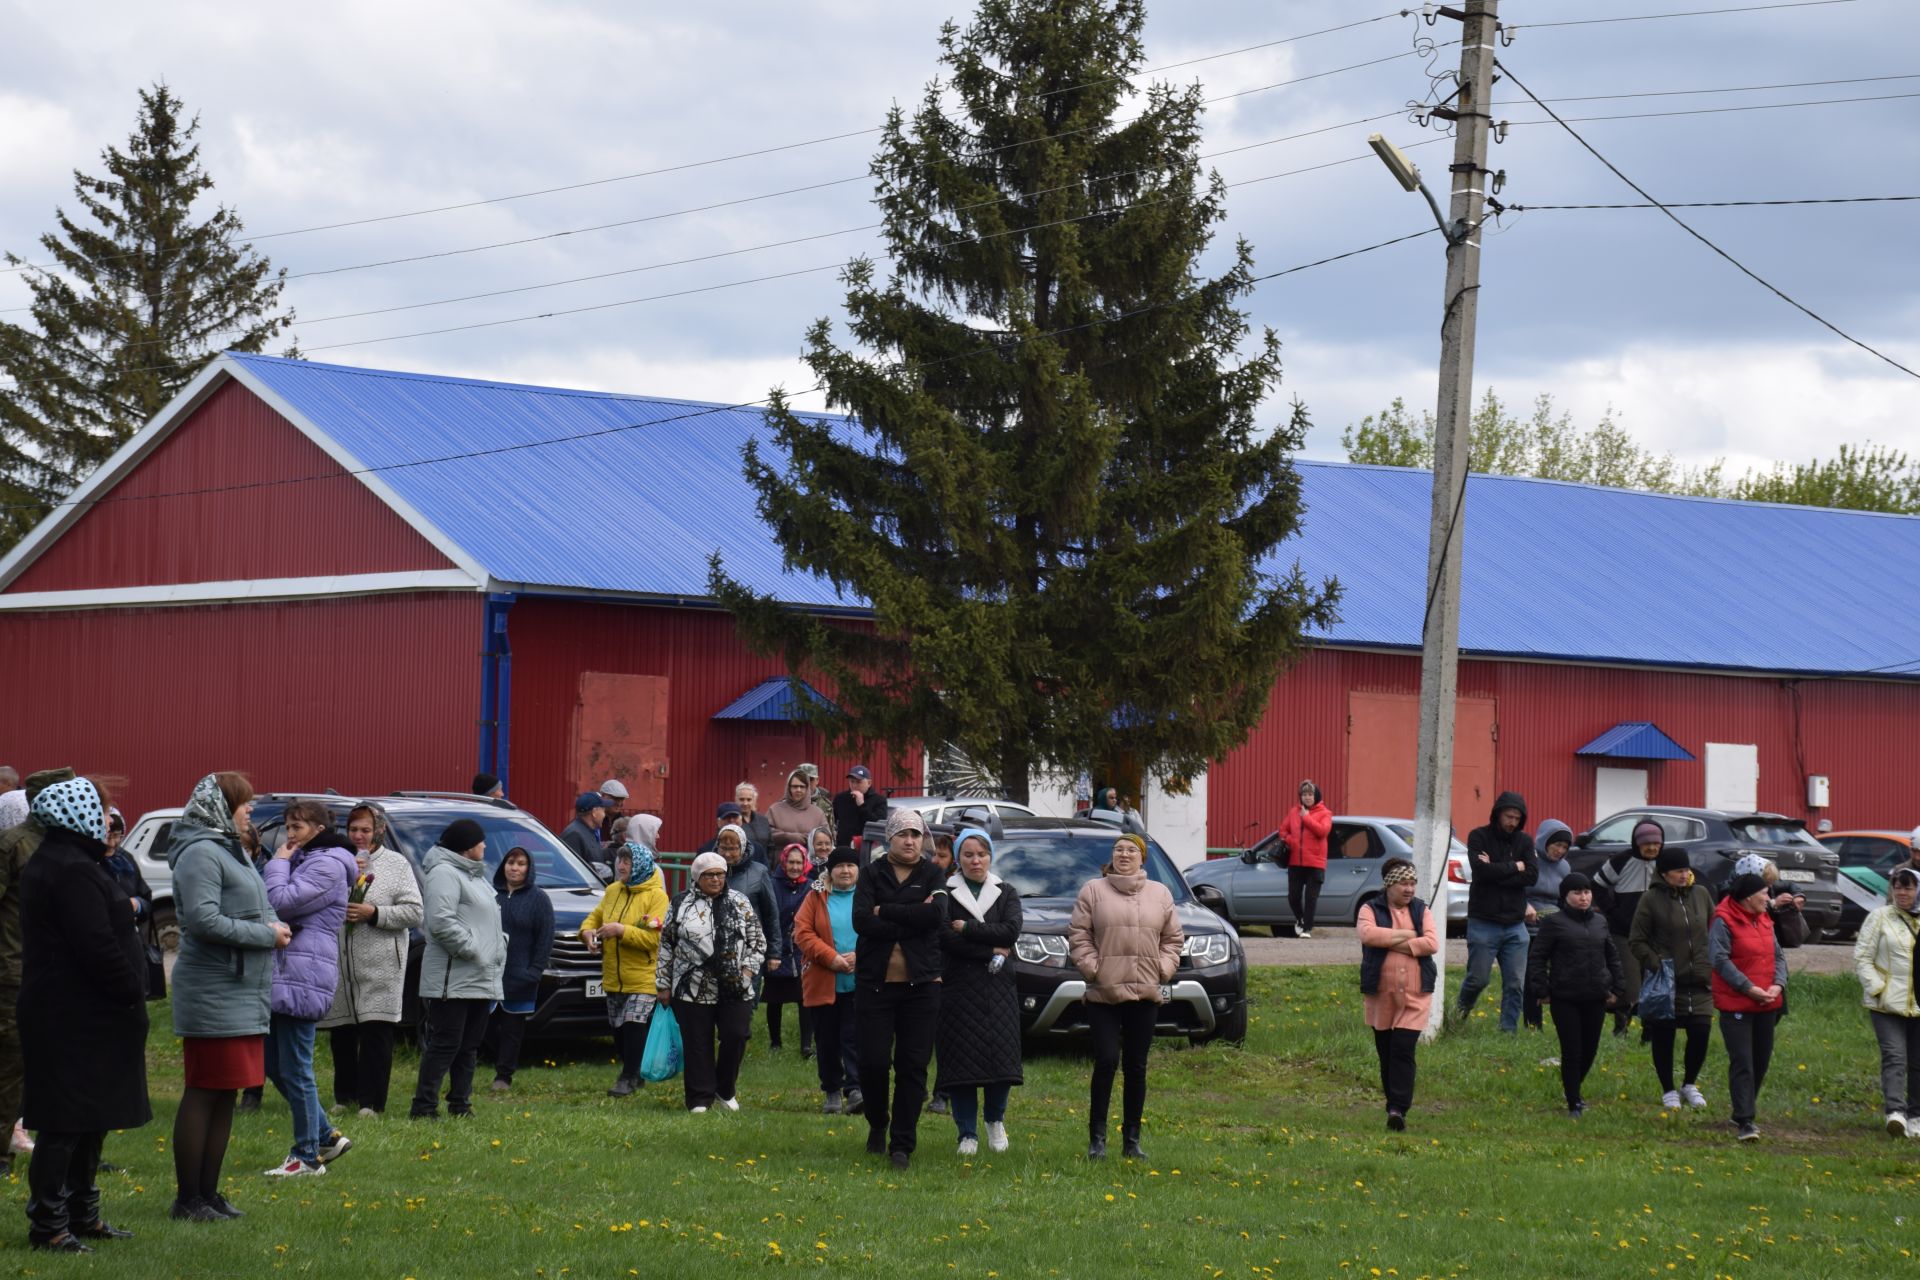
x,y
308,881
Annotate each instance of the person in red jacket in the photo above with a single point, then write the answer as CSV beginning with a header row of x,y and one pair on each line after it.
x,y
1305,830
1749,990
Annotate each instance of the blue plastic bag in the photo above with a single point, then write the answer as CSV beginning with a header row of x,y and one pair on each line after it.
x,y
663,1056
1656,995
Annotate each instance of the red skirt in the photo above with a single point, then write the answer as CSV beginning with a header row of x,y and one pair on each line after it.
x,y
225,1062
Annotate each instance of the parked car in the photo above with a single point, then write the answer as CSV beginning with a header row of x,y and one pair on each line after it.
x,y
570,1001
146,843
1867,858
959,811
1715,838
1252,888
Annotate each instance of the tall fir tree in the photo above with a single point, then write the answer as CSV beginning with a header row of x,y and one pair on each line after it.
x,y
1058,500
136,296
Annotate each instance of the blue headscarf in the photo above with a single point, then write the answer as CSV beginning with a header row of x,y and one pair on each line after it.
x,y
642,863
74,805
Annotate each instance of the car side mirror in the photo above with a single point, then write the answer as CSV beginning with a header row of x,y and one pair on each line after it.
x,y
1582,840
1249,856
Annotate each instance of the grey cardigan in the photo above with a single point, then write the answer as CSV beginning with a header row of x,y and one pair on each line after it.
x,y
223,977
466,947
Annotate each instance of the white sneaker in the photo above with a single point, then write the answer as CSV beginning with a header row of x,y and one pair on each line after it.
x,y
1691,1095
336,1145
1913,1126
294,1168
22,1141
969,1146
731,1104
1670,1099
697,1111
1898,1126
996,1135
1303,933
368,1113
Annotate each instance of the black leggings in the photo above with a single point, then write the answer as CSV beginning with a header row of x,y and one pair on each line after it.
x,y
1122,1035
1660,1034
1578,1024
1303,894
201,1129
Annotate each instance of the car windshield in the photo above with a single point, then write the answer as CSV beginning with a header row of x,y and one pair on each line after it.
x,y
1405,831
1054,864
1758,831
554,866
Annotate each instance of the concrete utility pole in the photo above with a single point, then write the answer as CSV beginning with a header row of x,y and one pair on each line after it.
x,y
1440,633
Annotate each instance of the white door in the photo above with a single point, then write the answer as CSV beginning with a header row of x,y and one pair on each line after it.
x,y
1733,776
1617,789
1178,822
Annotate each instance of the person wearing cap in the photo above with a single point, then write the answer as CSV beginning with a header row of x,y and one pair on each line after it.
x,y
824,936
1749,991
614,792
794,815
485,784
1398,940
732,813
462,969
899,911
1669,934
1618,886
858,805
582,835
711,953
1573,964
754,823
624,928
821,797
979,1037
1883,959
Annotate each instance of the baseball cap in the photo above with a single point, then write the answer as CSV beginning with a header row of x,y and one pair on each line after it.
x,y
861,772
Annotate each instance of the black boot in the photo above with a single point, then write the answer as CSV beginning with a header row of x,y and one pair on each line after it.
x,y
1097,1144
1130,1144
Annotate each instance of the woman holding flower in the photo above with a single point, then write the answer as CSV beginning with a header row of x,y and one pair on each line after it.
x,y
383,905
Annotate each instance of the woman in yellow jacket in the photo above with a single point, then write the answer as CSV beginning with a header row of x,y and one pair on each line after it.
x,y
625,929
1883,957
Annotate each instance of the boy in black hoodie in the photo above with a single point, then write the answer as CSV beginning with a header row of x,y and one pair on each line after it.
x,y
1503,862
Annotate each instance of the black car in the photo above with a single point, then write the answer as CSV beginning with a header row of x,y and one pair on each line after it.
x,y
1714,839
569,1002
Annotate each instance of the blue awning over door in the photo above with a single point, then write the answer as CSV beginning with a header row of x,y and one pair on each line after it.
x,y
772,700
1635,740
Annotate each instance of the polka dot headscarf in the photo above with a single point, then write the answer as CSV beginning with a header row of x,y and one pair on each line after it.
x,y
74,805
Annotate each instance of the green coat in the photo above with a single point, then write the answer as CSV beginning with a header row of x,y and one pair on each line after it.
x,y
223,976
466,952
1671,924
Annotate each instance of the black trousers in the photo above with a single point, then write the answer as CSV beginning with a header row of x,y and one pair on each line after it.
x,y
711,1074
1579,1024
1395,1049
839,1048
1122,1035
1749,1040
454,1031
509,1034
61,1193
1303,893
1660,1033
362,1063
896,1025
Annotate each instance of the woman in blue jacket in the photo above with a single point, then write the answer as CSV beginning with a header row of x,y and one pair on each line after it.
x,y
526,915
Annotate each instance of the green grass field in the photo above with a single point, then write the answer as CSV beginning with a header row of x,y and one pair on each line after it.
x,y
1266,1160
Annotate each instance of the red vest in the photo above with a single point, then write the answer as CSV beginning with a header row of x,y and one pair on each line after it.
x,y
1752,955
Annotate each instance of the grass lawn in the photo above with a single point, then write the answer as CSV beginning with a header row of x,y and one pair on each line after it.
x,y
1266,1160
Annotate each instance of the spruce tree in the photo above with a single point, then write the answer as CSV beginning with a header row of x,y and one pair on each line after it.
x,y
1058,499
135,298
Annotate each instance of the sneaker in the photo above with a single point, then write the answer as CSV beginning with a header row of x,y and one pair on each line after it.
x,y
623,1087
939,1105
499,1085
900,1160
856,1102
1670,1099
830,1106
1396,1121
996,1135
22,1141
296,1168
731,1104
1897,1124
368,1113
1748,1132
1691,1095
1307,934
336,1145
1550,1062
696,1111
969,1146
1913,1126
1575,1110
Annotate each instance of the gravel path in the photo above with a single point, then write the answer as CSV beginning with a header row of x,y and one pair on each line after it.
x,y
1341,946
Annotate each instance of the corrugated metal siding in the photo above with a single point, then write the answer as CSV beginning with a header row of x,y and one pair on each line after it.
x,y
1865,736
699,652
375,694
273,531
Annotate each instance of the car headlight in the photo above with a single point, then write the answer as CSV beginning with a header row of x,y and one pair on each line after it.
x,y
1042,948
1208,948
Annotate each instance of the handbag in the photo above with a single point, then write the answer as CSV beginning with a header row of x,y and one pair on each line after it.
x,y
1656,994
156,966
663,1056
1283,855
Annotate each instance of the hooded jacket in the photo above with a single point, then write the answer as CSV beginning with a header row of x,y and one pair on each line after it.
x,y
794,823
1618,887
1499,890
1573,958
1883,959
373,953
526,914
1124,938
309,894
222,978
1671,924
627,963
466,948
1305,831
1544,892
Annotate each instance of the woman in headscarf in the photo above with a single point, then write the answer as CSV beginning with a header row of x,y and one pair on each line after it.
x,y
383,909
1125,940
526,913
1670,934
221,983
978,1043
1883,958
711,951
126,872
1785,907
1398,939
792,881
83,1017
794,815
625,929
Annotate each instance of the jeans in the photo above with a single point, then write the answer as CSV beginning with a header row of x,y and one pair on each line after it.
x,y
966,1106
454,1031
363,1063
290,1067
896,1025
1749,1039
709,1075
835,1030
61,1192
1660,1033
1122,1035
1303,894
1487,942
1579,1024
1899,1039
1395,1049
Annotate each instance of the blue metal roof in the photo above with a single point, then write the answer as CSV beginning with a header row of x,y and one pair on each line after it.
x,y
772,700
1635,740
642,489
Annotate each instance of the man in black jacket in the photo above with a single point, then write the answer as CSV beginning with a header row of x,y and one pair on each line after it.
x,y
899,909
858,805
1503,863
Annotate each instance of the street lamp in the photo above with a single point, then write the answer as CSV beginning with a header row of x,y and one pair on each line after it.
x,y
1408,177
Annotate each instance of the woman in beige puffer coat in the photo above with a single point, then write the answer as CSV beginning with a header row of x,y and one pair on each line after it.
x,y
1125,940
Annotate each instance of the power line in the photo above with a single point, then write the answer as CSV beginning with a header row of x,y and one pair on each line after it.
x,y
1708,111
1739,88
1715,204
1742,267
1685,13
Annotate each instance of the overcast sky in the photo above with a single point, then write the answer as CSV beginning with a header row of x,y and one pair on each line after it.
x,y
353,110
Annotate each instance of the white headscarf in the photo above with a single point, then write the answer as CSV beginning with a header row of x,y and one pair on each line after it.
x,y
13,808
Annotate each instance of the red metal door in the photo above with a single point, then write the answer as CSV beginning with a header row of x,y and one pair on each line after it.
x,y
1383,734
768,752
620,731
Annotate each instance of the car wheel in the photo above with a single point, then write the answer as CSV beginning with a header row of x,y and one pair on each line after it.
x,y
1232,1027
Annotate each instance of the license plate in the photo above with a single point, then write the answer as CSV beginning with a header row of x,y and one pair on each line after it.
x,y
1797,876
594,990
1166,995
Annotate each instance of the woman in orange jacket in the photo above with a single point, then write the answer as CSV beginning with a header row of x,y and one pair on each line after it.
x,y
1305,830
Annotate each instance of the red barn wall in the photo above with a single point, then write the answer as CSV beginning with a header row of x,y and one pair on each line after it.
x,y
372,694
1864,735
702,658
141,537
